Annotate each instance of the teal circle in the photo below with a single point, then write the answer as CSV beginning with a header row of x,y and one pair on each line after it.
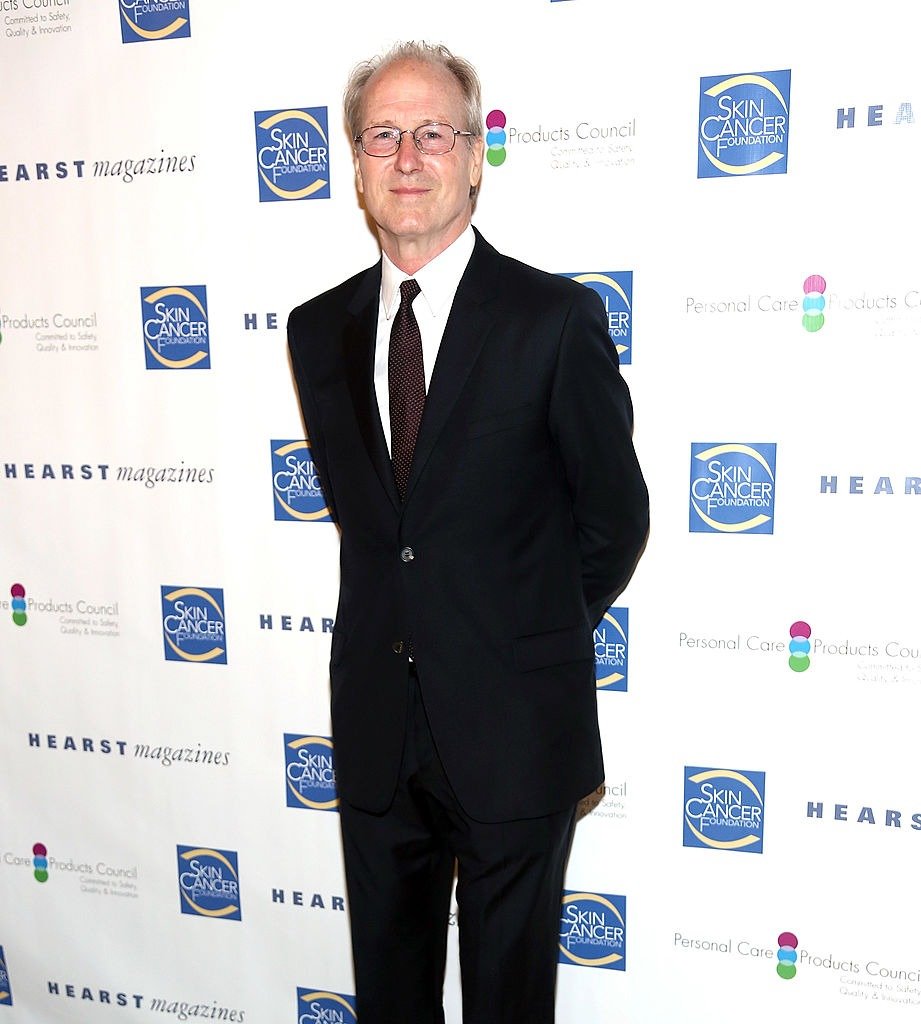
x,y
800,645
814,302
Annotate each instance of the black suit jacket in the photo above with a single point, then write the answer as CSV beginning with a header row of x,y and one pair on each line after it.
x,y
525,512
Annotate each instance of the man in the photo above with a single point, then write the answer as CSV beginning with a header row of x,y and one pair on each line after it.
x,y
472,434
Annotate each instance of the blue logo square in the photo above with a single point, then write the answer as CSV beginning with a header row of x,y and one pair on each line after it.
x,y
319,1005
724,809
298,496
310,773
6,990
147,21
732,487
616,290
209,882
292,154
193,624
174,321
611,639
593,930
744,124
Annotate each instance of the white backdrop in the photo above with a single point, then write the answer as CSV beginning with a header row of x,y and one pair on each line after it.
x,y
128,768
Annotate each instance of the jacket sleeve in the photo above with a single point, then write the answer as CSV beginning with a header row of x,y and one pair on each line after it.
x,y
591,420
297,339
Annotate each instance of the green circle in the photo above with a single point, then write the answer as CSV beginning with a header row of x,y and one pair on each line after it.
x,y
19,618
495,157
41,876
799,662
786,971
813,323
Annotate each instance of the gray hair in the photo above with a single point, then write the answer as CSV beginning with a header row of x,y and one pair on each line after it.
x,y
426,53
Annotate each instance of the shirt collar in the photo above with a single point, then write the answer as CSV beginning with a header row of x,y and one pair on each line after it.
x,y
438,279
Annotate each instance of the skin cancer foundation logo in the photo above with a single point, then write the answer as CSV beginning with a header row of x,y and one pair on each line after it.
x,y
175,325
193,624
724,809
593,930
209,882
611,645
145,21
744,124
292,154
310,775
732,487
295,484
6,992
315,1006
616,290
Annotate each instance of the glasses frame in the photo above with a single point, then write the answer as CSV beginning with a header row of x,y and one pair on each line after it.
x,y
359,138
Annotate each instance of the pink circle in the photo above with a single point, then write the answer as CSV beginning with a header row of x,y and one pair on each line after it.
x,y
802,629
17,590
787,939
814,283
495,119
40,850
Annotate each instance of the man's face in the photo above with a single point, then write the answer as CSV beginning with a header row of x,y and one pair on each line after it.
x,y
420,203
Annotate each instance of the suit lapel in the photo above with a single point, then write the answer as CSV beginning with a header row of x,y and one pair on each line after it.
x,y
465,334
358,344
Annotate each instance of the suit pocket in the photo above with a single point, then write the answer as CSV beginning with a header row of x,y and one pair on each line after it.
x,y
557,647
505,420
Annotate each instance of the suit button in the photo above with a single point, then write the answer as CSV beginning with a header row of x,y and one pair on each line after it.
x,y
407,554
397,646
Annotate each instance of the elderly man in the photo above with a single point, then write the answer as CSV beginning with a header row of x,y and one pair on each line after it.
x,y
473,436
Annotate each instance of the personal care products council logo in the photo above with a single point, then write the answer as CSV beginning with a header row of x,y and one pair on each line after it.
x,y
145,21
18,604
193,624
744,124
786,955
295,484
724,809
616,290
209,882
174,320
6,993
732,487
315,1006
593,930
611,645
292,154
310,776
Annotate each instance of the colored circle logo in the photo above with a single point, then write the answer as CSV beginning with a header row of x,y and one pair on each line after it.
x,y
18,593
814,303
495,138
799,646
786,955
40,862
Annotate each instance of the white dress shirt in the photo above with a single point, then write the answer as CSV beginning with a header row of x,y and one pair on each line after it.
x,y
438,281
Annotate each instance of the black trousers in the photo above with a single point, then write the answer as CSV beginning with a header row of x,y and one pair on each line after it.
x,y
399,873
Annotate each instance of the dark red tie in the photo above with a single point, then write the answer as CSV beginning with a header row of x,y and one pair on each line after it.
x,y
406,381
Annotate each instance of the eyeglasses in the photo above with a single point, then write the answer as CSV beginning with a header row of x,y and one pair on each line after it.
x,y
433,139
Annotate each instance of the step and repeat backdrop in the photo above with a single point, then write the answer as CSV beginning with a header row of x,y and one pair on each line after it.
x,y
740,186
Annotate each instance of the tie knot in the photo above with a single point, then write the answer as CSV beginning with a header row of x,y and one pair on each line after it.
x,y
409,289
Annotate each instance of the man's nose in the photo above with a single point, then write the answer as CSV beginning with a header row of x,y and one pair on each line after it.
x,y
408,156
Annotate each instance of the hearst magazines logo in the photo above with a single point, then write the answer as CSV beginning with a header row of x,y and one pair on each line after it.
x,y
174,321
744,124
724,809
616,290
295,484
6,989
209,882
611,646
193,624
310,776
316,1006
292,154
732,487
593,930
145,21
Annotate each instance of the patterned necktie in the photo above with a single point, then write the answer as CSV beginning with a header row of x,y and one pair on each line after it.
x,y
406,380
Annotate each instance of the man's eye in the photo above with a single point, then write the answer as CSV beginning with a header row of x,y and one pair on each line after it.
x,y
385,134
